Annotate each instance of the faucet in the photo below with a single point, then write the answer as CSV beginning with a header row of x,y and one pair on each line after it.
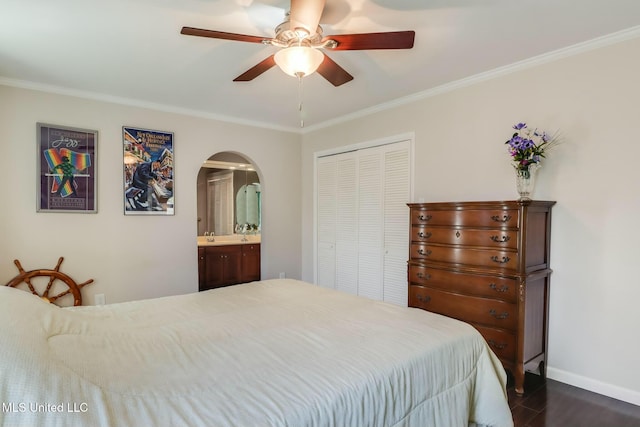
x,y
209,236
243,228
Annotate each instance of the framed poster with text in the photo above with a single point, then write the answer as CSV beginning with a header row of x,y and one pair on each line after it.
x,y
148,172
66,169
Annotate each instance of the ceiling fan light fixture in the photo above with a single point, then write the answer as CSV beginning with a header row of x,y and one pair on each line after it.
x,y
301,33
299,60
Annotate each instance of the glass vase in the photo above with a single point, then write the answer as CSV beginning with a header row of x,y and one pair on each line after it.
x,y
526,179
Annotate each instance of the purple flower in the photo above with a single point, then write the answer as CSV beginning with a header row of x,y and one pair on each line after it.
x,y
528,146
516,142
527,143
545,137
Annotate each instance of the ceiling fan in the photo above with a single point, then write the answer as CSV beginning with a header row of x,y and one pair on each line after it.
x,y
300,38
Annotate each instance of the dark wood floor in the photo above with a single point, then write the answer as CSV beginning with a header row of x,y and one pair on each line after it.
x,y
553,404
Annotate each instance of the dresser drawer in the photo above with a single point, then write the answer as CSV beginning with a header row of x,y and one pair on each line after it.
x,y
466,237
485,311
472,284
468,218
491,258
503,343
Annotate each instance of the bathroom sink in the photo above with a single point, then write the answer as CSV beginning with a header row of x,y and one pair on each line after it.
x,y
232,239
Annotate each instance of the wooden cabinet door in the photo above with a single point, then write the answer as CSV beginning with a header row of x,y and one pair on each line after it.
x,y
250,263
210,266
202,260
213,268
232,264
219,266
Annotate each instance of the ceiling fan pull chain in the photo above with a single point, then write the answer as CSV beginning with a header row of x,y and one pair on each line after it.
x,y
300,75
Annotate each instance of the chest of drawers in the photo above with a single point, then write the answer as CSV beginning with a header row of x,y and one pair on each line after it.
x,y
486,263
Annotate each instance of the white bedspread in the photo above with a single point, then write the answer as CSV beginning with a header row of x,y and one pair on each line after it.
x,y
271,353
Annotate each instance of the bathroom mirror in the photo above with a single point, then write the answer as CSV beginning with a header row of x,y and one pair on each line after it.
x,y
229,196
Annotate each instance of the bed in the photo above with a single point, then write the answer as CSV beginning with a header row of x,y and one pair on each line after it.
x,y
272,353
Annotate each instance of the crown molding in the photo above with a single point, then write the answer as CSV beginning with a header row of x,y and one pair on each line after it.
x,y
556,55
95,96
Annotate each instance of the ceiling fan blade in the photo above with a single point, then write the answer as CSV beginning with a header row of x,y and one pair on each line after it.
x,y
335,74
190,31
367,41
256,70
305,14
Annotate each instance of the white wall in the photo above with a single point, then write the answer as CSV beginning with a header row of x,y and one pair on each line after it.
x,y
593,98
135,257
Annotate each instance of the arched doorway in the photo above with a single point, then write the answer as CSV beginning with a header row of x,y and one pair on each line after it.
x,y
229,221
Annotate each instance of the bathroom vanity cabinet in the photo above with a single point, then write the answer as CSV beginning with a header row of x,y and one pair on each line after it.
x,y
224,265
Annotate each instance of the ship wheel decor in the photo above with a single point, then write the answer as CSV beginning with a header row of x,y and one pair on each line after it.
x,y
72,287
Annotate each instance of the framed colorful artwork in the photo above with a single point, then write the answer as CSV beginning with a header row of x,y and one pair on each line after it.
x,y
66,169
148,172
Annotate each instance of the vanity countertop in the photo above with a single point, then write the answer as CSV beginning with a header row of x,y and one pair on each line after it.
x,y
235,239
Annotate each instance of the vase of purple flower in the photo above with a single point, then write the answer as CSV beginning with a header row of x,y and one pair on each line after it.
x,y
526,179
527,147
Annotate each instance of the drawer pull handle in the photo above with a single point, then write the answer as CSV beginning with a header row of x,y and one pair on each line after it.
x,y
498,218
504,288
499,239
497,345
504,260
424,235
424,298
425,276
497,315
423,252
423,217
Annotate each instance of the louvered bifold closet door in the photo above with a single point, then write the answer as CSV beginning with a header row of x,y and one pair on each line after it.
x,y
362,221
397,193
370,219
326,212
347,222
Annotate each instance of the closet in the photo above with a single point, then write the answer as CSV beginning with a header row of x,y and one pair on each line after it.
x,y
361,221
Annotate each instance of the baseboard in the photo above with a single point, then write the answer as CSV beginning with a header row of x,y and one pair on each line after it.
x,y
610,390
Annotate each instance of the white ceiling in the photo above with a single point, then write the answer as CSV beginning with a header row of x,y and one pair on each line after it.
x,y
132,51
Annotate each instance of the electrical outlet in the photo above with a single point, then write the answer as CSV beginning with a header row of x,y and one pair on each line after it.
x,y
99,299
282,275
